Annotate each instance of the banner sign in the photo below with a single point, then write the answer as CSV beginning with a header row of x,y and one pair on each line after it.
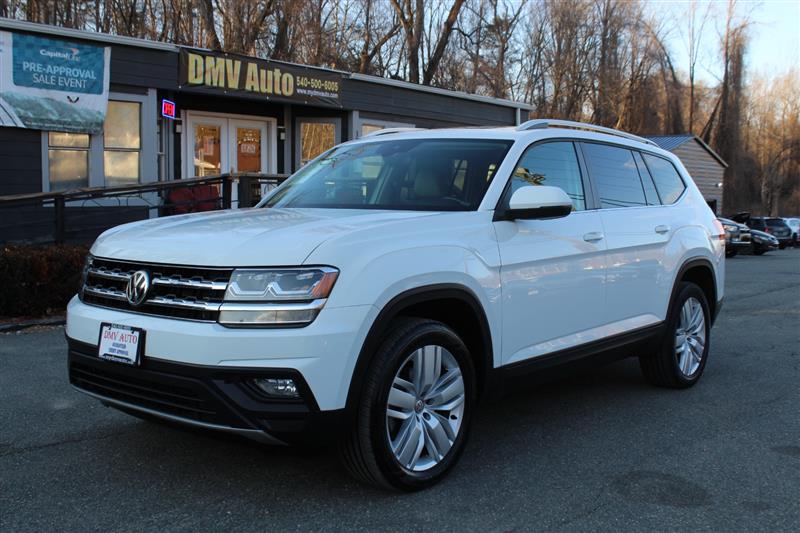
x,y
220,73
51,84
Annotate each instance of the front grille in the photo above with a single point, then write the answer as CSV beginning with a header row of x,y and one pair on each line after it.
x,y
155,391
193,293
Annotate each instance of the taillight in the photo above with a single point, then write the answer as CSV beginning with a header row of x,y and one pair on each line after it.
x,y
768,229
720,230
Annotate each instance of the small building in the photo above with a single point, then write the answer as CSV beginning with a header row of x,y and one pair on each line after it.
x,y
704,164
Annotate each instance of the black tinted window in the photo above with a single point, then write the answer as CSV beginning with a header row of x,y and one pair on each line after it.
x,y
647,181
668,182
776,222
554,164
614,172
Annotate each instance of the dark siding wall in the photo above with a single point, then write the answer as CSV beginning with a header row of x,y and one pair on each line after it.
x,y
704,169
421,108
142,67
20,161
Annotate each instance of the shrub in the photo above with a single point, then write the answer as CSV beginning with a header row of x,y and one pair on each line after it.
x,y
39,280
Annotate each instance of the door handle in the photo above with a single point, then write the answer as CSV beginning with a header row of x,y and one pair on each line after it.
x,y
662,228
593,236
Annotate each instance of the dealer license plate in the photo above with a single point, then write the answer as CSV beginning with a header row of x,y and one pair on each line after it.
x,y
121,344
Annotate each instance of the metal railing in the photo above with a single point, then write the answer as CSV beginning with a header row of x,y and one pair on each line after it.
x,y
80,215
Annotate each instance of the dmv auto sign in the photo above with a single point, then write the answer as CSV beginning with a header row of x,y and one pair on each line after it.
x,y
51,84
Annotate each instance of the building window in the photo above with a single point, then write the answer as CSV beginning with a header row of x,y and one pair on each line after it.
x,y
68,160
121,155
315,138
122,143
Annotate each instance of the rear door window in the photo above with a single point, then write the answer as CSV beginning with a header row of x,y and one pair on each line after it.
x,y
615,175
668,182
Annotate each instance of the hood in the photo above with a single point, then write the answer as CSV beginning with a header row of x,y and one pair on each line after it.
x,y
241,237
763,235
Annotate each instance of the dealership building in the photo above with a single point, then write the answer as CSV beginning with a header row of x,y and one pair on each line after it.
x,y
83,109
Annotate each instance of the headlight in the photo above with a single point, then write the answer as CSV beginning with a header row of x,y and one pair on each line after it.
x,y
276,297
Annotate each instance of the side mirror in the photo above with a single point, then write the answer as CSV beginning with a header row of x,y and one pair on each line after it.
x,y
536,201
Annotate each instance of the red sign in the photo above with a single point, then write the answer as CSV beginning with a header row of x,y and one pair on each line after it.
x,y
168,108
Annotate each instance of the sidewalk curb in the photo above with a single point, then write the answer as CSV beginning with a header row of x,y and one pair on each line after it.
x,y
17,326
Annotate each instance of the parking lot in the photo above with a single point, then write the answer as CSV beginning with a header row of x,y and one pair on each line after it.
x,y
600,450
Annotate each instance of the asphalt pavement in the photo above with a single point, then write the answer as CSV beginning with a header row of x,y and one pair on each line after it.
x,y
600,450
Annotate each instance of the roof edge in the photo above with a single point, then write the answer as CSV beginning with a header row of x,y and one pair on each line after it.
x,y
368,78
22,25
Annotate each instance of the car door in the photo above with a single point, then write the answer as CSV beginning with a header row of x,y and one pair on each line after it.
x,y
637,229
552,271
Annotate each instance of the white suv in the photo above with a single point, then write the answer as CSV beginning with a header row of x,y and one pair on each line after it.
x,y
394,281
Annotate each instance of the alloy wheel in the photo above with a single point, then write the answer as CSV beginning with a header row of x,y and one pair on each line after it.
x,y
425,408
690,337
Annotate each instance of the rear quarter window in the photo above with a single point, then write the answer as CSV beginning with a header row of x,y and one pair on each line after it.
x,y
668,182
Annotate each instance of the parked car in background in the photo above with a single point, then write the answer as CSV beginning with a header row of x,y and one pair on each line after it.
x,y
737,237
794,225
763,242
774,226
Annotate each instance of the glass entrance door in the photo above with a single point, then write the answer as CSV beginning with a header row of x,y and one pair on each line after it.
x,y
217,145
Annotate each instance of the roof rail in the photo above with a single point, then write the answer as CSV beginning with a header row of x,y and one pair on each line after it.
x,y
387,131
542,123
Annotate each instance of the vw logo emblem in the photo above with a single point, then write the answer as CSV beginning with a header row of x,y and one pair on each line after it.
x,y
137,288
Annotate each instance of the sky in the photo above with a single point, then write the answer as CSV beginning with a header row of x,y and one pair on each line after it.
x,y
774,34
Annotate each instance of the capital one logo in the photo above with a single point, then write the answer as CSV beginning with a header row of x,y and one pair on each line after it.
x,y
70,54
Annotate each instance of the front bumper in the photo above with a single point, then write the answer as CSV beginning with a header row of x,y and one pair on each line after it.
x,y
216,398
323,353
739,246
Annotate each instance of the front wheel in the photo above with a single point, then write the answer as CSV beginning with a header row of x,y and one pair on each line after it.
x,y
681,357
415,409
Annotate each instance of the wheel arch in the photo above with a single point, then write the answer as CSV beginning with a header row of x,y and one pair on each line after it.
x,y
699,271
452,304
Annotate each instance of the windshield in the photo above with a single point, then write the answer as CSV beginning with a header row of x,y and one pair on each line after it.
x,y
411,174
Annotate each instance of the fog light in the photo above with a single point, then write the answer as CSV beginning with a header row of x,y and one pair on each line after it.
x,y
279,388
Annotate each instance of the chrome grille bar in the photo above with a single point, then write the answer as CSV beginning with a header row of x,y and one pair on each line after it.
x,y
108,274
191,283
197,305
103,292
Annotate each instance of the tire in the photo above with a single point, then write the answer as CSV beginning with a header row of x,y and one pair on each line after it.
x,y
731,253
782,246
674,367
367,452
758,251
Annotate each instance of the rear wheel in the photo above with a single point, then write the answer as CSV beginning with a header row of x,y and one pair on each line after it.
x,y
681,357
414,413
